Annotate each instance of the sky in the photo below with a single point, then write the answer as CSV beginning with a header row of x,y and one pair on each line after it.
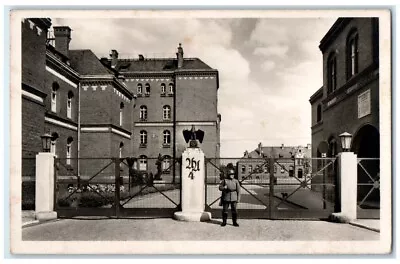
x,y
268,67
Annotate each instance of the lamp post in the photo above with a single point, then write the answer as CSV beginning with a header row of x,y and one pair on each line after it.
x,y
345,139
46,142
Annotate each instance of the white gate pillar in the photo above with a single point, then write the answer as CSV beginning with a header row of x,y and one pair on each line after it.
x,y
44,197
193,187
347,178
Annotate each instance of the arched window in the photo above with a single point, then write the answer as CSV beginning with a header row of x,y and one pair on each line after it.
x,y
147,89
300,173
54,89
243,168
166,112
166,164
332,147
283,169
69,104
121,146
121,110
167,137
352,54
143,113
163,90
319,113
54,137
139,89
291,171
143,163
171,88
332,80
250,168
143,138
69,146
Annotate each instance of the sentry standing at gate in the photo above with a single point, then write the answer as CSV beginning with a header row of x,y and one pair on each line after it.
x,y
230,188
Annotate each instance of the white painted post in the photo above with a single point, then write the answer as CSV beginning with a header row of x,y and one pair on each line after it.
x,y
193,187
347,174
44,198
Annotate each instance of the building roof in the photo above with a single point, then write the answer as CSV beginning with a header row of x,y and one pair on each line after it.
x,y
316,95
87,63
158,65
333,32
279,152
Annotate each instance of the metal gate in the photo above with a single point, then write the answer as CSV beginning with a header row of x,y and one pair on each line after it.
x,y
368,188
277,188
117,187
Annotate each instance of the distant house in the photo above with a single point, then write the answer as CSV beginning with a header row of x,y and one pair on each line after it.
x,y
289,162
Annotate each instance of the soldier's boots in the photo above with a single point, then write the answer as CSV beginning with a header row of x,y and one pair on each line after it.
x,y
234,220
224,218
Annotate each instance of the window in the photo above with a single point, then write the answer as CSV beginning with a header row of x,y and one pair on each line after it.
x,y
166,112
54,89
143,113
275,169
69,143
147,89
331,74
167,137
121,146
283,169
300,173
319,113
142,163
143,138
139,89
166,164
352,54
163,91
54,137
250,168
243,168
69,104
121,109
171,88
291,171
266,168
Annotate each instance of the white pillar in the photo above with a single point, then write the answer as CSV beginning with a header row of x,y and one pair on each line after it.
x,y
347,173
44,198
193,187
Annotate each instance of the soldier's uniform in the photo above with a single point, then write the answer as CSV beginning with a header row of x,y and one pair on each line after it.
x,y
230,188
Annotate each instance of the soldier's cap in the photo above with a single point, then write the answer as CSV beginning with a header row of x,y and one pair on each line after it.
x,y
231,172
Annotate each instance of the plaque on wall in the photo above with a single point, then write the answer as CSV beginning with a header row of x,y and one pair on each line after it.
x,y
364,104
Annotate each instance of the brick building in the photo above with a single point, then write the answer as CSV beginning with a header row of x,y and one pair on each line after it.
x,y
348,101
291,161
109,107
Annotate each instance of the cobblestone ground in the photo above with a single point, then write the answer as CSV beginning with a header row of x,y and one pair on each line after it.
x,y
170,230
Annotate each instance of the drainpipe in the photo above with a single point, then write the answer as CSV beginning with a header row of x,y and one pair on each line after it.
x,y
174,130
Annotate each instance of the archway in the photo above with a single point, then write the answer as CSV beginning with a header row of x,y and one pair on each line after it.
x,y
366,145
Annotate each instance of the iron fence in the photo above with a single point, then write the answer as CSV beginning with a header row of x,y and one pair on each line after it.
x,y
368,188
28,183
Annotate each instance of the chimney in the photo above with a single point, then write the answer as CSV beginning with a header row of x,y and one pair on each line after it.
x,y
62,37
179,55
114,58
260,149
141,57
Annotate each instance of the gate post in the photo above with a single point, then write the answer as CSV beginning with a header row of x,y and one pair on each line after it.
x,y
347,178
193,187
117,185
44,197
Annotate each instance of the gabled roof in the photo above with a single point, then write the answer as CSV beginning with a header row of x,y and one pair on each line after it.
x,y
86,63
158,65
279,152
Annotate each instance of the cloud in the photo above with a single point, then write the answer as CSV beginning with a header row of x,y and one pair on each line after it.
x,y
268,65
273,50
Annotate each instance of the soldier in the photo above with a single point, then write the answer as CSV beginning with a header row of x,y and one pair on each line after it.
x,y
230,188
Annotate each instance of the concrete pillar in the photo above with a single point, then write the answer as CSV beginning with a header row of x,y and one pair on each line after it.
x,y
193,187
44,203
347,175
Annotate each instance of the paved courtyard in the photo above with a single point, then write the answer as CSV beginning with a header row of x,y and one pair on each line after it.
x,y
172,230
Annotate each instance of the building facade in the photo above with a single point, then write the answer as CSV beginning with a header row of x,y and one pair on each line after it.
x,y
348,101
110,107
290,162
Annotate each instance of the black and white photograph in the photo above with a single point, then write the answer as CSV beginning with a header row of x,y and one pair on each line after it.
x,y
201,132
